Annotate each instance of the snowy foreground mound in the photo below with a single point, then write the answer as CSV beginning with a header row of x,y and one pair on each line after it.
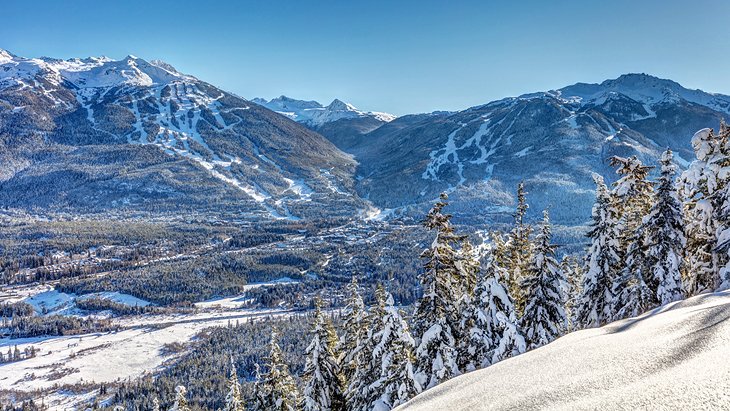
x,y
675,357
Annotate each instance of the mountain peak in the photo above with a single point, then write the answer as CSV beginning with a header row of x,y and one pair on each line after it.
x,y
339,105
91,72
643,88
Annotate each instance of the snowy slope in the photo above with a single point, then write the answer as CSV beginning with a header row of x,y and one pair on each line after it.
x,y
315,114
553,141
148,117
675,357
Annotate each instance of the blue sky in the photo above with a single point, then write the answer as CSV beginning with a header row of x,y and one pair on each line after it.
x,y
395,56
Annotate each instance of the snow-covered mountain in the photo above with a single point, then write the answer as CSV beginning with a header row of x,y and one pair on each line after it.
x,y
552,140
315,114
340,122
674,357
147,135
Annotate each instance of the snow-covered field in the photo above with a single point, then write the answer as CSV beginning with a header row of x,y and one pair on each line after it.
x,y
110,356
47,301
676,357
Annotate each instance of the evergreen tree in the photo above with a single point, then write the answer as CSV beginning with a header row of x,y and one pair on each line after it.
x,y
260,397
703,186
355,331
632,294
323,381
634,195
281,393
155,404
722,205
664,227
594,306
394,352
493,334
181,403
436,311
519,249
574,275
544,318
234,400
468,264
360,395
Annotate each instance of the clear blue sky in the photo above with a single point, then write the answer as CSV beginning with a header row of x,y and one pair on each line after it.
x,y
395,56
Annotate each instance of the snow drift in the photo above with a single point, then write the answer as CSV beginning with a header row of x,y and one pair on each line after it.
x,y
674,357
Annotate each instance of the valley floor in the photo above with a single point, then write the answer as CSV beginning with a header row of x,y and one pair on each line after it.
x,y
674,357
143,345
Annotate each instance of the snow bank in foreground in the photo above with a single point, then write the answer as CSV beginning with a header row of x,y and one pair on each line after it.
x,y
675,357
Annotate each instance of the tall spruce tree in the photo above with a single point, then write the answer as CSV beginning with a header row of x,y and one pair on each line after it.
x,y
594,306
702,187
360,395
394,352
519,248
722,205
354,331
492,334
234,400
573,288
468,264
632,295
281,391
260,397
634,196
544,317
664,227
436,310
323,389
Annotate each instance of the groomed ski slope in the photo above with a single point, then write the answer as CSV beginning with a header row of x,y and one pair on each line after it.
x,y
676,357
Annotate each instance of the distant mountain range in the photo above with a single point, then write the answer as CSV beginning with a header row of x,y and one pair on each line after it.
x,y
340,122
96,134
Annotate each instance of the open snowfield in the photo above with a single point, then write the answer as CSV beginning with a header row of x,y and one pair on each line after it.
x,y
47,301
676,357
111,356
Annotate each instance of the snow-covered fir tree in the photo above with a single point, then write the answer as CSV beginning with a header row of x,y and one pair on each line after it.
x,y
281,392
519,248
260,396
360,395
574,276
702,187
634,196
468,264
665,241
234,400
181,402
544,317
436,310
394,352
354,331
632,295
155,404
491,321
323,382
594,306
722,205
